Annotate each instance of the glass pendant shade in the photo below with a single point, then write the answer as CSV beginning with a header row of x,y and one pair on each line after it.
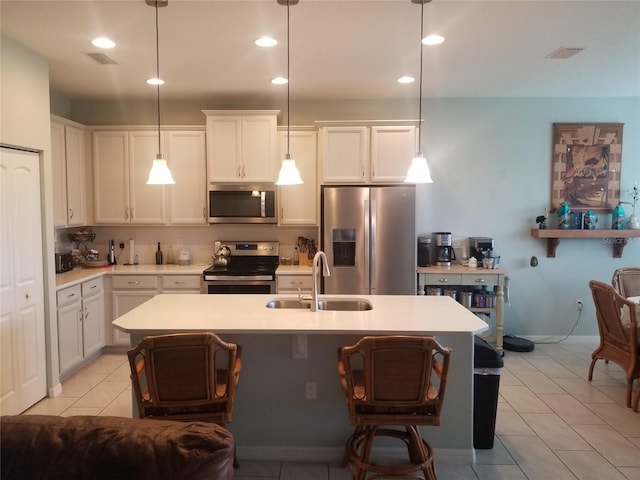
x,y
419,170
160,173
289,173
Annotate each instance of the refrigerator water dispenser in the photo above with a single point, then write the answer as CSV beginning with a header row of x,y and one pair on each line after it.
x,y
344,247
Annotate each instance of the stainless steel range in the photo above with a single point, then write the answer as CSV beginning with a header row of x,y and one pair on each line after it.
x,y
251,269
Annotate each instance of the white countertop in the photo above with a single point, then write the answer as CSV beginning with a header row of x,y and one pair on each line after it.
x,y
81,274
391,314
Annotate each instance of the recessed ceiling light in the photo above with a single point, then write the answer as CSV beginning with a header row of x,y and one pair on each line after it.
x,y
266,42
155,81
103,42
406,79
433,39
279,81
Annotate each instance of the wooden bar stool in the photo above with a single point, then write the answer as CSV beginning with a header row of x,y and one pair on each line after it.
x,y
392,381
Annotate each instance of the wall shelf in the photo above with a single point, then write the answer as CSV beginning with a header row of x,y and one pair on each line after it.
x,y
618,238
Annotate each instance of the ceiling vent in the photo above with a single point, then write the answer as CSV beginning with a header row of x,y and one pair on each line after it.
x,y
102,59
565,52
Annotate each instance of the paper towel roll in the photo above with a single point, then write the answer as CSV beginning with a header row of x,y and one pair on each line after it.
x,y
131,252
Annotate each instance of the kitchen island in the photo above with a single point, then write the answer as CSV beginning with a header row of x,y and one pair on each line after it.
x,y
285,348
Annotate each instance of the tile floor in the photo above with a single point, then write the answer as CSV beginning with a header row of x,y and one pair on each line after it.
x,y
552,424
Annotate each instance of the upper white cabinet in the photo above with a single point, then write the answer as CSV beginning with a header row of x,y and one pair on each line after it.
x,y
68,167
242,145
121,163
299,203
366,153
185,154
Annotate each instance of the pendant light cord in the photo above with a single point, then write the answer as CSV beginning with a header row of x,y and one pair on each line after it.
x,y
288,83
420,101
158,76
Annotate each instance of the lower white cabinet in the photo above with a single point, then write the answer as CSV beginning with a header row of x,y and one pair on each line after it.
x,y
128,292
80,323
294,284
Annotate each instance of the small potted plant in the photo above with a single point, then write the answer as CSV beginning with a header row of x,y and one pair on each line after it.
x,y
632,222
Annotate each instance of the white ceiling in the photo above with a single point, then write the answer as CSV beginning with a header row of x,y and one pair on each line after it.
x,y
339,49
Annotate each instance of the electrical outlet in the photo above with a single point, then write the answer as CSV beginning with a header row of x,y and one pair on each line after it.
x,y
121,245
579,304
311,391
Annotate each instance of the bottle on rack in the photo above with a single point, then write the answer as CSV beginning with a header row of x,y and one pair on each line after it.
x,y
617,218
159,255
296,256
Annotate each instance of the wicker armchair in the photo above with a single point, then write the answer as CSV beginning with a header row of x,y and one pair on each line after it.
x,y
618,328
626,281
185,377
392,381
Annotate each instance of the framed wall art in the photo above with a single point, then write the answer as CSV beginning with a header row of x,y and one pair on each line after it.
x,y
587,159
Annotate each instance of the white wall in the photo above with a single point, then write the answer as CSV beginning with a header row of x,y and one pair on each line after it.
x,y
24,122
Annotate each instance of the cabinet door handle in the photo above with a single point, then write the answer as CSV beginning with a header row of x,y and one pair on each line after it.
x,y
126,213
70,212
179,283
133,283
86,313
131,213
244,172
295,284
238,172
480,280
204,212
93,286
443,280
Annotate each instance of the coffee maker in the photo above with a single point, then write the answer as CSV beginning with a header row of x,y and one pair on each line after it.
x,y
443,249
480,247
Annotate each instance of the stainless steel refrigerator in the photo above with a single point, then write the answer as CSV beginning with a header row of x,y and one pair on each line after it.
x,y
368,235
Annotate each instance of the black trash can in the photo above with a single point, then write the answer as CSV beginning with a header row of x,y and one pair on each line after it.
x,y
487,365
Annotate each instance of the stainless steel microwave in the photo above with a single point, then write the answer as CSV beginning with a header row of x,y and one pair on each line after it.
x,y
240,203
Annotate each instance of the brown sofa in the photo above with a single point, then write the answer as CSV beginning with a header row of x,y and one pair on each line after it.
x,y
100,448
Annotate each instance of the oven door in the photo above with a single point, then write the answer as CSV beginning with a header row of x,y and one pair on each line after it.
x,y
239,286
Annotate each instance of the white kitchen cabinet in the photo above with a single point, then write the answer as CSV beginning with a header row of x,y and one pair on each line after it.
x,y
80,323
181,283
242,145
185,154
299,203
128,292
68,168
294,284
366,153
122,160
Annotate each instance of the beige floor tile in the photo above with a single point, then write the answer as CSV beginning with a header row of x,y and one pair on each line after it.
x,y
610,444
589,466
497,455
552,368
523,400
79,384
121,406
101,395
635,441
509,422
582,390
622,419
535,459
498,472
51,406
570,409
508,378
257,468
538,382
630,473
106,363
121,374
459,472
71,411
554,432
515,362
616,392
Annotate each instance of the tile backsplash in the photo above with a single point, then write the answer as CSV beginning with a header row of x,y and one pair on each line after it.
x,y
197,239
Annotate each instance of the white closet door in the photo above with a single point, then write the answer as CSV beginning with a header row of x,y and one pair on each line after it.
x,y
22,345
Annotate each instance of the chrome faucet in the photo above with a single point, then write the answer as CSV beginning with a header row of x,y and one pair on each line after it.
x,y
313,301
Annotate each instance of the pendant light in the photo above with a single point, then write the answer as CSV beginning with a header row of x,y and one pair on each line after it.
x,y
419,169
160,173
289,173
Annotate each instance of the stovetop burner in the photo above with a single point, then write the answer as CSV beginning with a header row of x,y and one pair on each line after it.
x,y
247,259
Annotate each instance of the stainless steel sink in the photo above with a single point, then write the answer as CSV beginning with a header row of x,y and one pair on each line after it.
x,y
343,305
286,303
354,305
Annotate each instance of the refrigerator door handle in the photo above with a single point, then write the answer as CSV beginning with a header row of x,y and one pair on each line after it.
x,y
371,256
367,245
